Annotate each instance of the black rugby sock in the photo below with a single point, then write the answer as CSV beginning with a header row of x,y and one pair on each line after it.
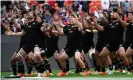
x,y
14,69
67,65
42,67
119,64
113,62
58,64
123,67
82,69
116,64
77,67
37,66
111,67
98,68
47,66
131,66
21,67
128,68
64,70
29,67
103,68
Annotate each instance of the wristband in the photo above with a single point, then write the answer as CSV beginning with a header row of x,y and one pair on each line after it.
x,y
13,34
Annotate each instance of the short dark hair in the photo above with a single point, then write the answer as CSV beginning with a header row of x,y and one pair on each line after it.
x,y
115,9
131,12
34,14
40,17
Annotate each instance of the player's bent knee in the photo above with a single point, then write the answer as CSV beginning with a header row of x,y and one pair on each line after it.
x,y
101,55
123,56
18,57
61,58
56,55
77,59
77,56
127,55
37,54
12,60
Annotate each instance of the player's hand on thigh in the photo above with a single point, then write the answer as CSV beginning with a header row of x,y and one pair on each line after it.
x,y
37,51
78,55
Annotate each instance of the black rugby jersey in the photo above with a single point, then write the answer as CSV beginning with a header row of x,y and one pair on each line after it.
x,y
41,38
74,36
24,28
87,37
129,32
102,35
116,31
33,31
52,42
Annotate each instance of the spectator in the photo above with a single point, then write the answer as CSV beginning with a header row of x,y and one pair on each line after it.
x,y
6,3
114,4
75,6
47,16
3,10
131,8
105,4
60,3
85,6
26,6
127,6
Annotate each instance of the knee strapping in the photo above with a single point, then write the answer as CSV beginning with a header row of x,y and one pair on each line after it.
x,y
19,56
42,51
20,62
37,53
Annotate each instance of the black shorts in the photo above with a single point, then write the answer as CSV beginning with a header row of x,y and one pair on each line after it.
x,y
126,45
131,46
71,51
29,46
49,52
86,47
22,43
41,44
100,46
113,47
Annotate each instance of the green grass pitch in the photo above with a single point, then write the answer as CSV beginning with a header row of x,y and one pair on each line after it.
x,y
72,74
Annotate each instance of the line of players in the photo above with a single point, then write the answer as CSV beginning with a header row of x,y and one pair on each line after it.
x,y
39,41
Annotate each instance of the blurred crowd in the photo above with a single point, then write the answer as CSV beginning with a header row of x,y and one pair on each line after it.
x,y
14,11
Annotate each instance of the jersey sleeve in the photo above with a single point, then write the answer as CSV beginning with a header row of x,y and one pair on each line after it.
x,y
66,29
23,28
